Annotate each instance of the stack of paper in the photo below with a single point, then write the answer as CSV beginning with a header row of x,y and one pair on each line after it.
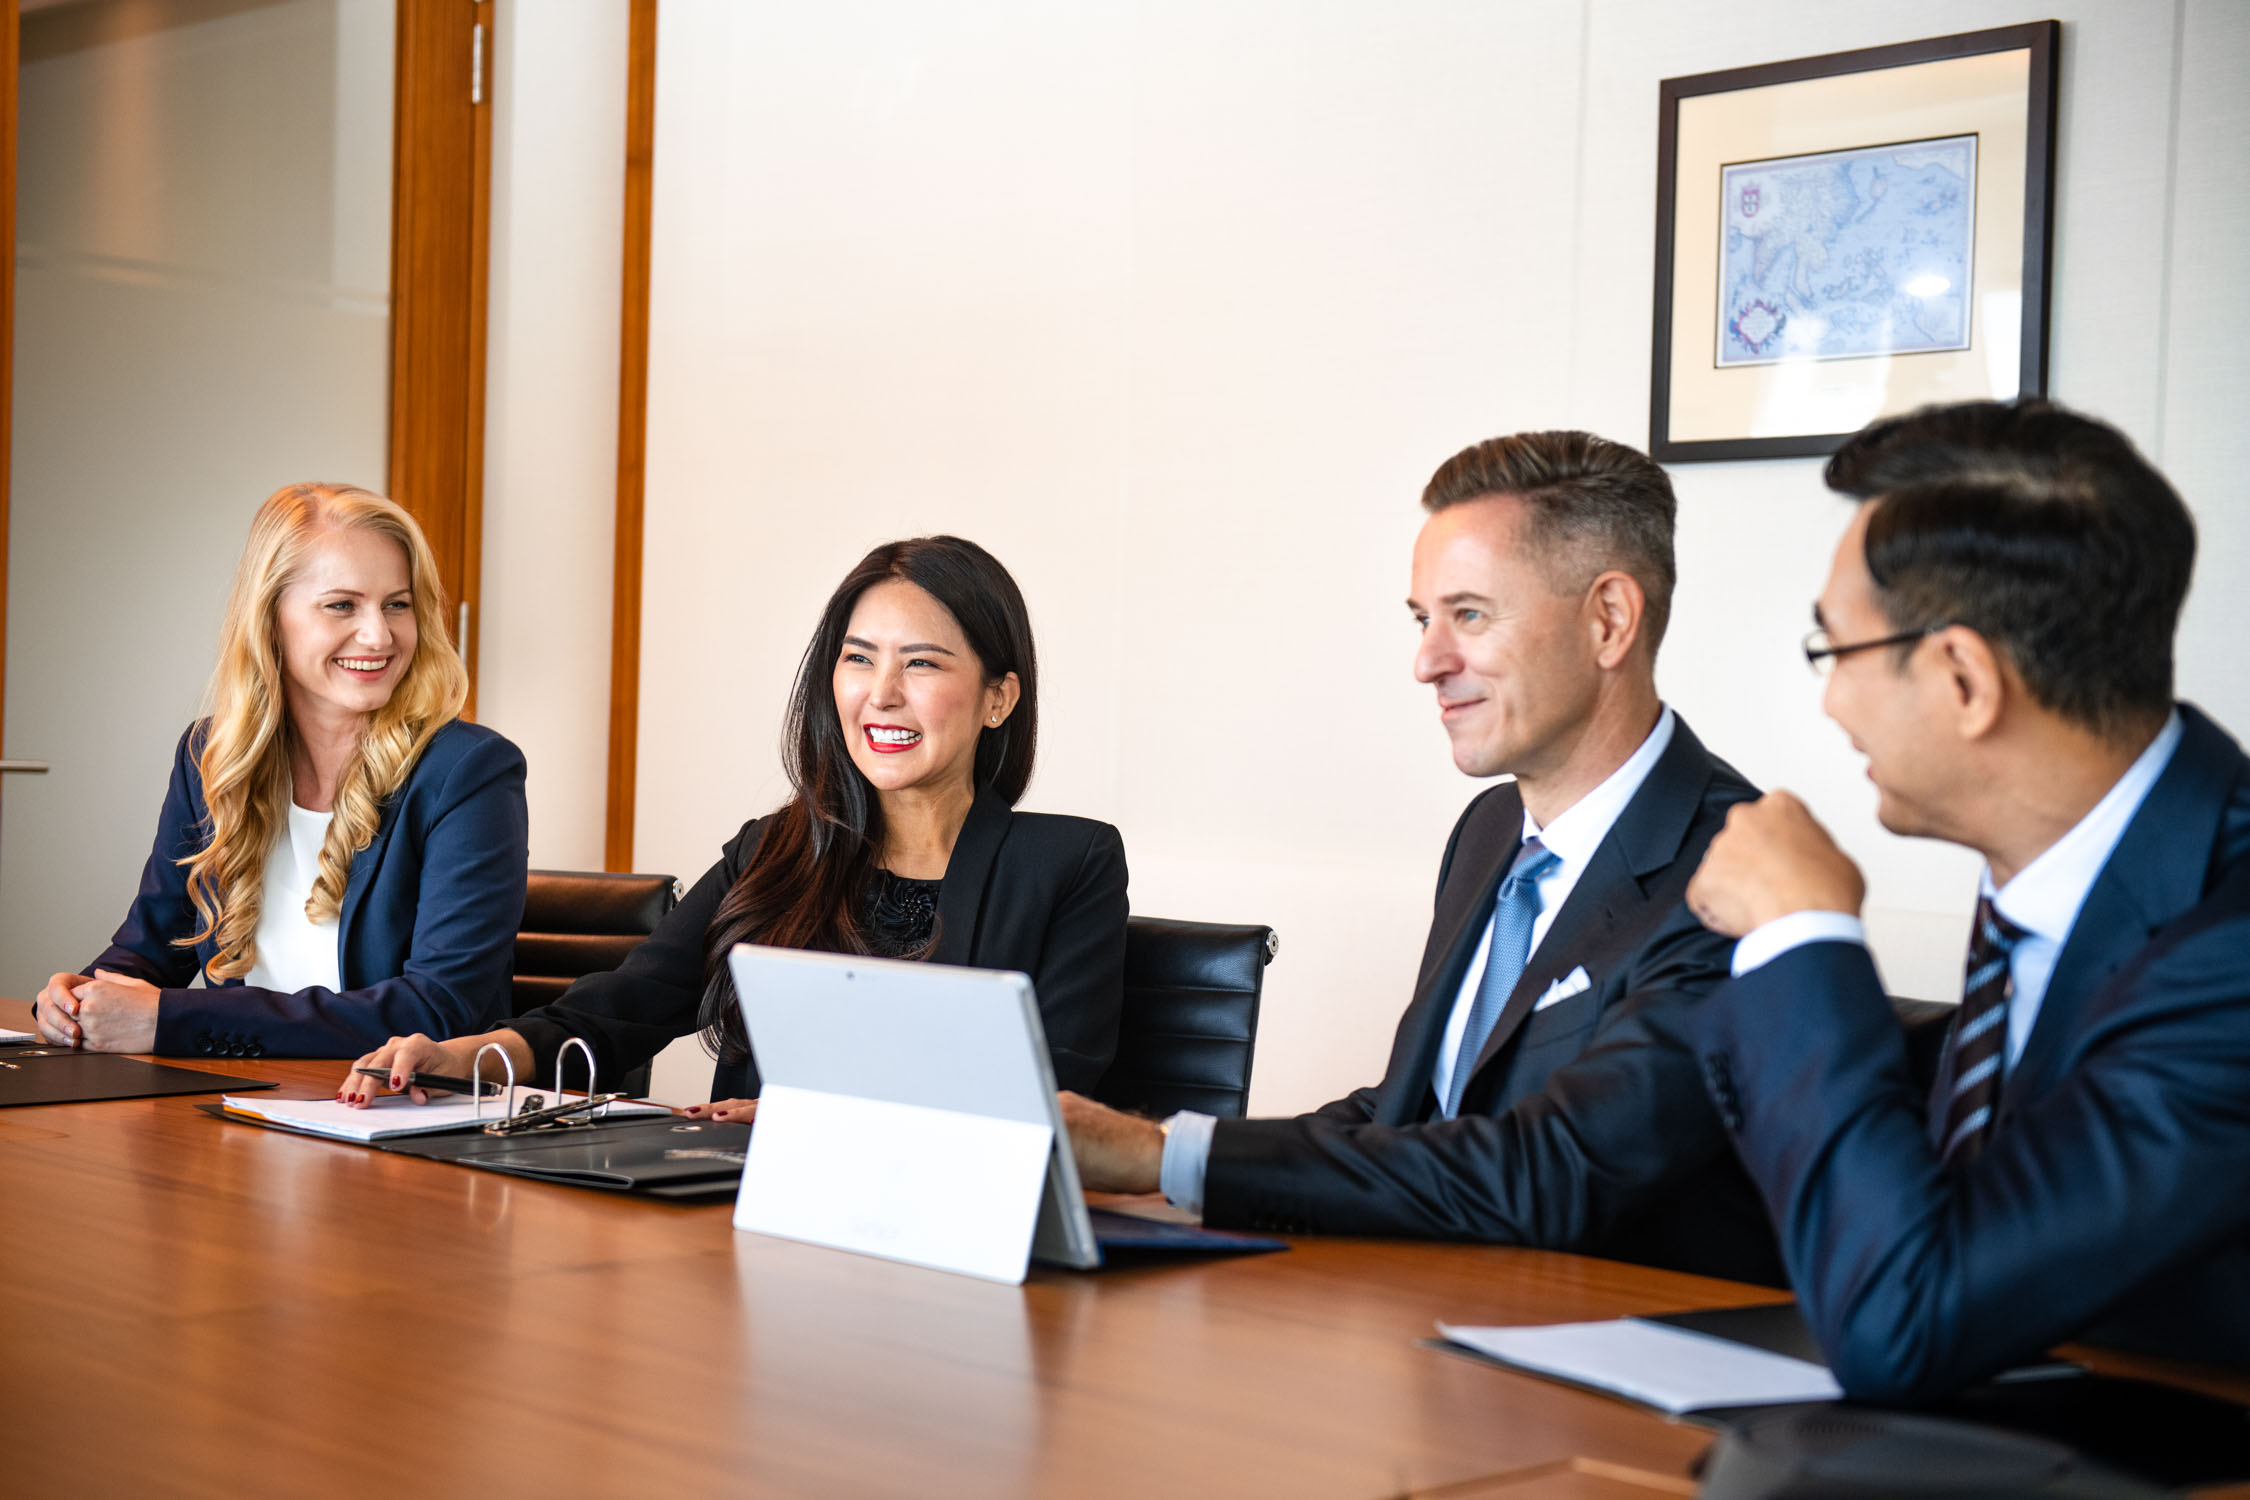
x,y
391,1114
7,1036
1670,1369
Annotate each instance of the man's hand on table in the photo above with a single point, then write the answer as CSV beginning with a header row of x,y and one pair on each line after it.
x,y
1117,1153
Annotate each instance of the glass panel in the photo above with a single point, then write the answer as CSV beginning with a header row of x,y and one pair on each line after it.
x,y
202,315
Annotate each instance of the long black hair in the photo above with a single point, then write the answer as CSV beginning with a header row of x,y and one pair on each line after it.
x,y
804,886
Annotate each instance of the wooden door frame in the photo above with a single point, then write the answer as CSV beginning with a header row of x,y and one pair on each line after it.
x,y
441,230
10,35
441,210
632,441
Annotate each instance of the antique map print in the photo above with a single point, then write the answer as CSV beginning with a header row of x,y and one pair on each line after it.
x,y
1847,253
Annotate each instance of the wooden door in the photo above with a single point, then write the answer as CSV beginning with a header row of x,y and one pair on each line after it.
x,y
440,230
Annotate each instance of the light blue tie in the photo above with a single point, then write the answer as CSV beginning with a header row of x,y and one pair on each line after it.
x,y
1512,918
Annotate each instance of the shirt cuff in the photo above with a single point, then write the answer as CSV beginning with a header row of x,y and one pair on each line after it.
x,y
1765,944
1187,1158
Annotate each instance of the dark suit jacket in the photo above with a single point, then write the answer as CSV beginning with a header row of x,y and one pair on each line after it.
x,y
2113,1199
425,940
1584,1126
1033,892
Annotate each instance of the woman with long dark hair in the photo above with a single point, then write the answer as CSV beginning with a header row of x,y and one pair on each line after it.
x,y
909,738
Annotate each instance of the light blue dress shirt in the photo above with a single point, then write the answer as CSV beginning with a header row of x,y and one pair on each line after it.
x,y
2043,899
1572,838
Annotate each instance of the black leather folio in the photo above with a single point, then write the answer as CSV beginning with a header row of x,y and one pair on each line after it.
x,y
58,1075
660,1155
657,1156
2158,1433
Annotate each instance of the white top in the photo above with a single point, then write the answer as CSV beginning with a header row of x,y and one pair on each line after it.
x,y
294,952
1572,838
2043,899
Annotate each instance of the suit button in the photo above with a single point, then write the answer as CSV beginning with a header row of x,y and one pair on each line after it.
x,y
205,1045
255,1049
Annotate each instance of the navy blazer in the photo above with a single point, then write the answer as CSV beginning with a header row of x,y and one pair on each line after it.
x,y
425,940
1583,1126
2109,1203
1039,893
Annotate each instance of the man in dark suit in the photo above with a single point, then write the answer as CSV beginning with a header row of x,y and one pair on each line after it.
x,y
1997,629
1540,1090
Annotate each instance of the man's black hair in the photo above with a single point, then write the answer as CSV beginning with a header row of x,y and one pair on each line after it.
x,y
2042,530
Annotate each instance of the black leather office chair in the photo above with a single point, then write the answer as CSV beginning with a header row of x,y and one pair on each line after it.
x,y
579,922
1191,1017
1925,1023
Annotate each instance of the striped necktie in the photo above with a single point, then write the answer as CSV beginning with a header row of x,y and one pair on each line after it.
x,y
1980,1035
1513,916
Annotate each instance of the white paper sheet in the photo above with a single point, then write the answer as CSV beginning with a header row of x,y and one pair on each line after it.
x,y
17,1036
392,1114
1670,1369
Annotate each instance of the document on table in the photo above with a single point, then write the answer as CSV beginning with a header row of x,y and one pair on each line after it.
x,y
8,1038
1668,1368
391,1114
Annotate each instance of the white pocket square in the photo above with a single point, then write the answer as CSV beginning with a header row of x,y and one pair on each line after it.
x,y
1573,983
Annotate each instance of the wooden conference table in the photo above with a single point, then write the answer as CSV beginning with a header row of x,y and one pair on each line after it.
x,y
190,1307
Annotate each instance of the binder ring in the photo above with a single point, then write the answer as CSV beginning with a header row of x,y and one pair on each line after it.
x,y
476,1080
580,1043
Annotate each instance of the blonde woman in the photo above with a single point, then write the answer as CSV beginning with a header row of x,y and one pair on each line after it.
x,y
340,855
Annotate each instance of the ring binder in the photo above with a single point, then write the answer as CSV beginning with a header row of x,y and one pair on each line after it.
x,y
593,1084
476,1079
537,1115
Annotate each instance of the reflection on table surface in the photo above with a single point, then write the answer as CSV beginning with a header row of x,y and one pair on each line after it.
x,y
197,1306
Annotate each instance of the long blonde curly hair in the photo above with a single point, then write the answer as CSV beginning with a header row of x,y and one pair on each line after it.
x,y
244,757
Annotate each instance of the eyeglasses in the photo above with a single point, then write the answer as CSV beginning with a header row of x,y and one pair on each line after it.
x,y
1821,656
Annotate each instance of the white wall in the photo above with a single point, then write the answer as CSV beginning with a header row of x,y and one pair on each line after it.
x,y
550,482
1175,304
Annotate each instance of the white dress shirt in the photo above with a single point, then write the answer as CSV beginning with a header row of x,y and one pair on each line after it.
x,y
2043,899
294,952
1572,838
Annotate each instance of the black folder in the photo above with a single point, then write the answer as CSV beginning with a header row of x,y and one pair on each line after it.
x,y
659,1155
656,1156
60,1075
2172,1436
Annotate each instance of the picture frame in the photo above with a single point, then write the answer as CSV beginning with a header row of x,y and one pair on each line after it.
x,y
1845,237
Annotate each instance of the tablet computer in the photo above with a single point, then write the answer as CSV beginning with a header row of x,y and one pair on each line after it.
x,y
938,1037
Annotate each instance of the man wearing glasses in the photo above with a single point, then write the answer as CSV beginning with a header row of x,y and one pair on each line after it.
x,y
1996,633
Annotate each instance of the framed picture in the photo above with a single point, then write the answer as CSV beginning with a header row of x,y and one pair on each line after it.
x,y
1844,237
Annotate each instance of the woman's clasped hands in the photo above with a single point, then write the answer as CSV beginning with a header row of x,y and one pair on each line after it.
x,y
110,1012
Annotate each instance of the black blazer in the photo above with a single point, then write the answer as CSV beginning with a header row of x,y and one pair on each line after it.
x,y
2112,1202
425,938
1584,1126
1034,892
